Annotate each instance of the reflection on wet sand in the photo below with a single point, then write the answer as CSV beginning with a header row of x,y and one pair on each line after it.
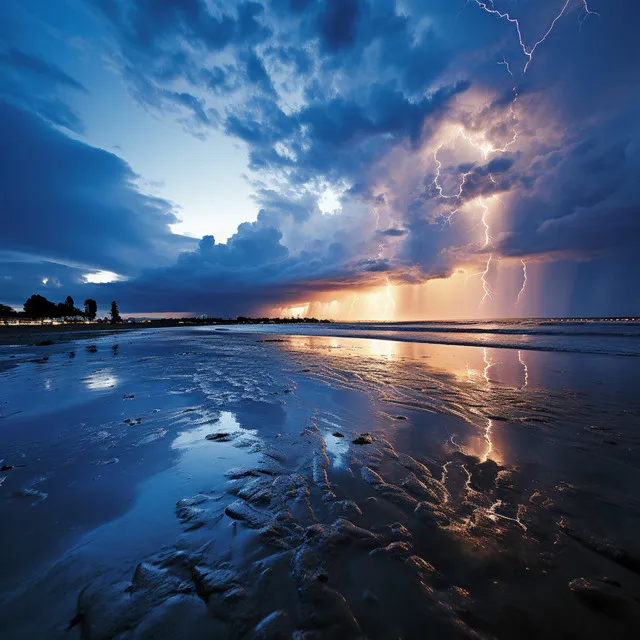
x,y
100,380
350,488
490,499
418,377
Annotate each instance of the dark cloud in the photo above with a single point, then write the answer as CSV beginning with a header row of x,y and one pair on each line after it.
x,y
257,74
582,201
165,42
66,202
393,232
25,63
147,24
496,166
36,85
216,80
335,139
338,24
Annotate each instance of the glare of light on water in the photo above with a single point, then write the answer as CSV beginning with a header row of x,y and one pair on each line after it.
x,y
101,380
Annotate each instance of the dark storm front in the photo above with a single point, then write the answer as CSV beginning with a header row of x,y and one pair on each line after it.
x,y
194,483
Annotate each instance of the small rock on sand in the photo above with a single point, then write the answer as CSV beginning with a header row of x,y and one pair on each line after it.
x,y
210,581
219,437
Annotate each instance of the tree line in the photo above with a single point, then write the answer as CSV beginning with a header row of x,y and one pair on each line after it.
x,y
38,307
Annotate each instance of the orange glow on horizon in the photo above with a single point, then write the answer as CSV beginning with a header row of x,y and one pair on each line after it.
x,y
460,296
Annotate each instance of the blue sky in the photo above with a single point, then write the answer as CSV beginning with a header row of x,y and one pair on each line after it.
x,y
240,157
202,177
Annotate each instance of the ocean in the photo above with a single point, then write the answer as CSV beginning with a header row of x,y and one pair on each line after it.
x,y
611,337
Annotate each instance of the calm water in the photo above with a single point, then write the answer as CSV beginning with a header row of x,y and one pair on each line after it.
x,y
494,496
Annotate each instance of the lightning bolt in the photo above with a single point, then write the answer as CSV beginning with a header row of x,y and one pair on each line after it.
x,y
436,179
455,444
585,12
380,244
488,293
479,139
445,471
524,282
467,485
487,437
489,7
505,62
525,369
484,146
439,188
488,363
485,222
494,515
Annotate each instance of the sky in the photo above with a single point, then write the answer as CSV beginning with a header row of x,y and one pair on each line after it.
x,y
344,159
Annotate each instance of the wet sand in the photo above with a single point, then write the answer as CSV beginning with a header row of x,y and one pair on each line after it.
x,y
34,334
186,483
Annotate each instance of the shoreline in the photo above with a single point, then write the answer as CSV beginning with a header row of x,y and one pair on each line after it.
x,y
36,335
24,334
50,335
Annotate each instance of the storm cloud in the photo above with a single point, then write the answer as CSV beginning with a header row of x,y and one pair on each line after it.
x,y
409,114
68,204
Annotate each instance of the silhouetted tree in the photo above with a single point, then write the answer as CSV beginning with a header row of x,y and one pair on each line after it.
x,y
39,307
115,313
90,308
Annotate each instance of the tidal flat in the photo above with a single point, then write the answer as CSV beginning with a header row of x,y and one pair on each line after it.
x,y
203,483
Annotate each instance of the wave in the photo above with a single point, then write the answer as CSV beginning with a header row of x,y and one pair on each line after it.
x,y
596,338
604,331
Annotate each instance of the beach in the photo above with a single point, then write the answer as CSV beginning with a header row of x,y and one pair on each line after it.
x,y
334,482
